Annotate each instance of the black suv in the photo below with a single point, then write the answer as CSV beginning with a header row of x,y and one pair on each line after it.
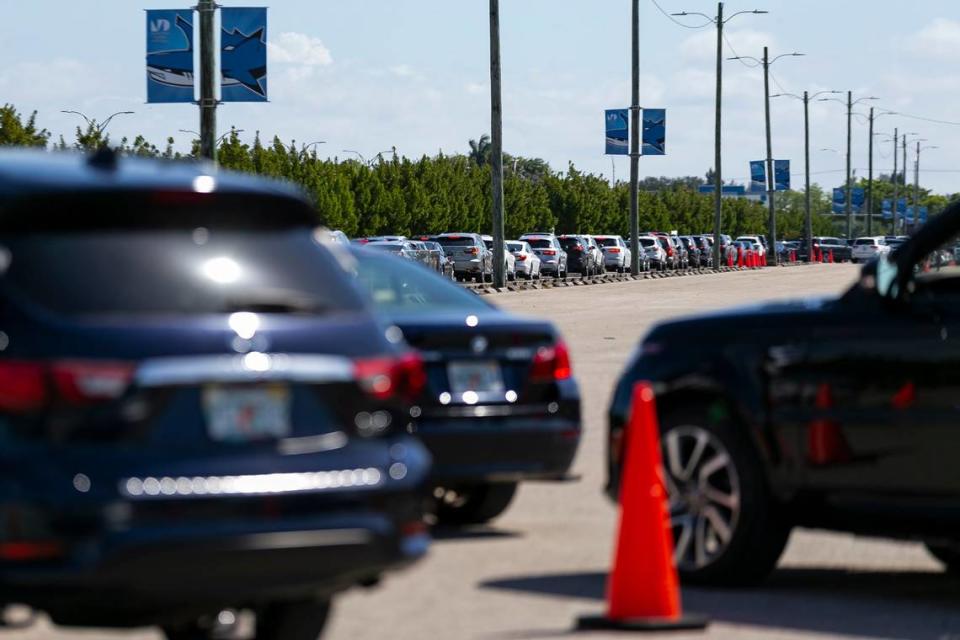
x,y
837,413
198,412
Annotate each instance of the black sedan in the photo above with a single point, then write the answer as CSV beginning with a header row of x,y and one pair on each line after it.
x,y
838,413
198,411
500,404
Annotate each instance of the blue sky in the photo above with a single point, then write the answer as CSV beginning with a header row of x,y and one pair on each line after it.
x,y
372,74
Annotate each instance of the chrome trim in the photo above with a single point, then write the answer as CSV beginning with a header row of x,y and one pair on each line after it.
x,y
249,367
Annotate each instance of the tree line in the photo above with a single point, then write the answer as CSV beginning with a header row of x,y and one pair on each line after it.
x,y
401,195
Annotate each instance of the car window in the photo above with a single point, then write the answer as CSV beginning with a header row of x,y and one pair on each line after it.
x,y
541,243
395,285
456,241
515,246
173,272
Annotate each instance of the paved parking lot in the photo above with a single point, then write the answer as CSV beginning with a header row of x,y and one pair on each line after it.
x,y
544,562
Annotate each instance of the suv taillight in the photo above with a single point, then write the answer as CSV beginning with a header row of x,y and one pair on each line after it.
x,y
27,386
551,363
383,378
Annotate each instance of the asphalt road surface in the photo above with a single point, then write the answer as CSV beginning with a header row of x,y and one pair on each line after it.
x,y
545,561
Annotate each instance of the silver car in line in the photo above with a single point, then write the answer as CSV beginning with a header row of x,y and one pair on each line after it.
x,y
527,262
471,258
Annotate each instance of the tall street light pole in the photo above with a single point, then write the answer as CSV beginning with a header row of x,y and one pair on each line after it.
x,y
896,182
906,189
808,218
719,21
496,156
870,205
208,80
850,102
635,138
916,181
771,181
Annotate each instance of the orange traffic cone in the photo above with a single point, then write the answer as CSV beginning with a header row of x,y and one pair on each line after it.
x,y
739,257
643,588
729,258
825,442
831,256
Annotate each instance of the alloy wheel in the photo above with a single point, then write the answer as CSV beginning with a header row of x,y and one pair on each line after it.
x,y
704,495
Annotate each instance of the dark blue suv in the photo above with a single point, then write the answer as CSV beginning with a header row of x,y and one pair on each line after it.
x,y
198,414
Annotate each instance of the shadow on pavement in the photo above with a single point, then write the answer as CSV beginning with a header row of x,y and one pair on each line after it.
x,y
889,604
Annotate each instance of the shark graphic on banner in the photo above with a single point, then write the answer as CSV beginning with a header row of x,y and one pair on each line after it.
x,y
243,54
170,55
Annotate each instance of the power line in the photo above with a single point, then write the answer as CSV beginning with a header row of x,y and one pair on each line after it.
x,y
923,118
777,82
737,56
677,22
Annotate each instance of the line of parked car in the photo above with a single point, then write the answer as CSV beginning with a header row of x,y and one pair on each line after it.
x,y
210,406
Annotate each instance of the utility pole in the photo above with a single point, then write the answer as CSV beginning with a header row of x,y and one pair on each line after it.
x,y
208,80
870,179
718,20
771,181
896,181
717,178
916,189
847,193
906,195
635,140
496,139
807,221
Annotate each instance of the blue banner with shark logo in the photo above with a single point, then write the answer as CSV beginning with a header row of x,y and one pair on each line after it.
x,y
654,132
170,55
781,175
617,128
243,54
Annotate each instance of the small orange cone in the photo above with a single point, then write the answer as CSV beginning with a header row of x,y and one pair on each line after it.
x,y
643,591
739,257
831,256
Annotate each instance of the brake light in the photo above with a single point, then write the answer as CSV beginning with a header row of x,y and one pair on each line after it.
x,y
521,257
613,250
24,551
549,252
385,378
551,363
29,386
471,251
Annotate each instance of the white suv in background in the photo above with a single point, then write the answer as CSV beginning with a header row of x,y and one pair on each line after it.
x,y
755,240
868,248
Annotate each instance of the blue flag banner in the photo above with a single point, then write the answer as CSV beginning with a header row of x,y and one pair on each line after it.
x,y
654,132
923,215
839,200
902,205
781,175
617,127
886,208
170,55
758,176
859,198
243,54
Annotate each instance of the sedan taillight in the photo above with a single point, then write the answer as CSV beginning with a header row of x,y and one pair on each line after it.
x,y
384,378
551,363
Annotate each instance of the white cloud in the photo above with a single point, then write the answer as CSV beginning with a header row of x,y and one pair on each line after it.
x,y
299,48
402,70
702,47
941,37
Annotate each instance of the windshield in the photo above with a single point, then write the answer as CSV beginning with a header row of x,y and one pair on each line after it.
x,y
515,246
607,242
540,243
397,285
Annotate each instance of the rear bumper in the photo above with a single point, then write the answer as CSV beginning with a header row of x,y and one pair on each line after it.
x,y
533,446
149,575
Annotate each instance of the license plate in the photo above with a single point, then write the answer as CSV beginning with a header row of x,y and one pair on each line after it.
x,y
244,414
481,378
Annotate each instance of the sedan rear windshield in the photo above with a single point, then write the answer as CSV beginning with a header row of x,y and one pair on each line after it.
x,y
648,242
570,243
515,246
607,242
456,241
160,272
865,241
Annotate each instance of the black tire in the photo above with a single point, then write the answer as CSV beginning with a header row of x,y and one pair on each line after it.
x,y
476,504
948,554
759,532
292,620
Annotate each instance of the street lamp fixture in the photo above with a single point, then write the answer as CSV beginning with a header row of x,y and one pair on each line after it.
x,y
91,122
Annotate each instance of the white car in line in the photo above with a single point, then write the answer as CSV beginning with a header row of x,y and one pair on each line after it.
x,y
754,240
527,263
868,248
510,263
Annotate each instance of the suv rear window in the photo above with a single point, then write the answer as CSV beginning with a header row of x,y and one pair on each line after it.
x,y
140,272
569,243
865,241
647,242
607,242
540,243
456,241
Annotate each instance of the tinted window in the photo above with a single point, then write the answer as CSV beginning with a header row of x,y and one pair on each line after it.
x,y
540,243
864,241
395,285
515,246
456,241
570,243
489,244
607,242
175,272
647,242
389,248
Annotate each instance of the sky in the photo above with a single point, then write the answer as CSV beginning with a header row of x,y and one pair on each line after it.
x,y
369,75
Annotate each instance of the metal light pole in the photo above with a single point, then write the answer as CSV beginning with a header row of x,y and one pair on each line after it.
x,y
358,154
208,80
896,182
906,189
719,21
916,182
850,102
771,182
808,218
91,122
635,138
496,155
